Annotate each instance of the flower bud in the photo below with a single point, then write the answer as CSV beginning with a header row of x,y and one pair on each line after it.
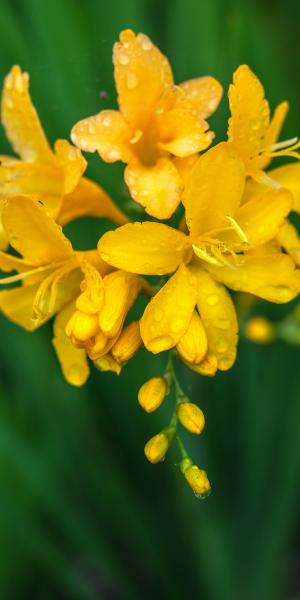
x,y
121,290
197,480
107,363
157,447
128,343
82,326
259,330
193,344
152,393
191,417
207,367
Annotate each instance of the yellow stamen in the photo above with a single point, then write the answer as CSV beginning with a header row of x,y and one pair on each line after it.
x,y
207,257
238,230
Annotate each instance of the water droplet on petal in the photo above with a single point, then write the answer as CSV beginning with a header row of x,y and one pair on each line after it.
x,y
223,323
123,58
145,42
212,300
222,345
158,315
131,80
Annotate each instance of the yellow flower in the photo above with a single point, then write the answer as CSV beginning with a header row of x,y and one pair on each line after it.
x,y
51,273
152,393
155,122
251,130
227,243
52,178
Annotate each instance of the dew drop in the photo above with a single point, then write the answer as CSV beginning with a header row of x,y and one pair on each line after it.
x,y
106,121
113,154
223,324
9,102
145,42
131,80
123,58
91,129
222,345
177,325
158,315
212,300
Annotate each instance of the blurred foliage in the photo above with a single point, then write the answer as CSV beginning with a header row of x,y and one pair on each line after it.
x,y
82,515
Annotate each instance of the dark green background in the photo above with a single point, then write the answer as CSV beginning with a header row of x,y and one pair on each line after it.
x,y
82,514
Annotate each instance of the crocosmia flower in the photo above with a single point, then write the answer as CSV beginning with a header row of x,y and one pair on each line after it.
x,y
156,121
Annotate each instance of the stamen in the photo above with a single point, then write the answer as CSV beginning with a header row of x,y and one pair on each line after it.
x,y
219,256
279,145
238,230
21,276
207,257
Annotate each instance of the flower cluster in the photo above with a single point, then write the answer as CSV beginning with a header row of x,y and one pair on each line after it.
x,y
227,228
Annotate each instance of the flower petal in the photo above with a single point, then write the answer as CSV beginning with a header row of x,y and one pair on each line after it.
x,y
73,360
183,132
158,188
121,290
142,74
270,276
214,189
250,113
218,314
20,120
89,199
202,94
144,248
168,314
289,240
70,160
33,233
192,346
261,217
289,176
108,133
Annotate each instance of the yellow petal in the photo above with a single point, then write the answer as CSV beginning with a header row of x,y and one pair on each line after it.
x,y
192,347
107,133
89,199
121,290
20,120
184,166
39,181
271,276
108,363
207,367
142,74
183,132
8,262
128,343
202,94
272,134
168,314
214,189
250,113
33,233
144,248
70,160
158,188
289,176
73,360
261,217
92,298
17,305
218,314
289,240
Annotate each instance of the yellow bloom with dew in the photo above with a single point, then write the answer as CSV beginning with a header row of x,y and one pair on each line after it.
x,y
228,243
157,122
190,416
251,130
53,178
53,275
152,393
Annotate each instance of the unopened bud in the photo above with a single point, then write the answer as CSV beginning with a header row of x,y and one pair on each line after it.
x,y
191,417
128,343
82,326
152,393
193,344
207,367
197,480
259,330
157,447
107,363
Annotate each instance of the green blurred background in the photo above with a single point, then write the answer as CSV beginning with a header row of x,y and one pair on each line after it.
x,y
82,514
